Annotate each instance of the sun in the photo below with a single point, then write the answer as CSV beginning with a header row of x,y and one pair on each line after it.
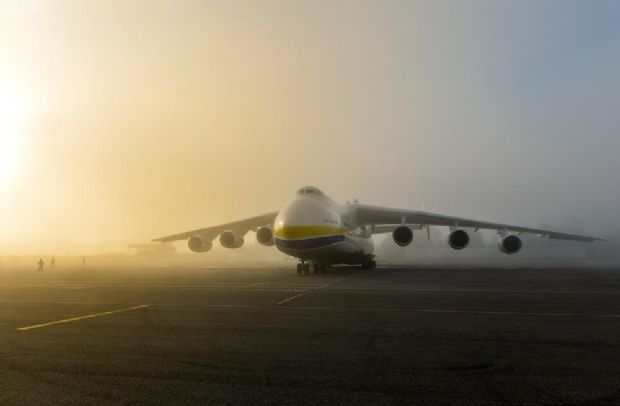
x,y
10,152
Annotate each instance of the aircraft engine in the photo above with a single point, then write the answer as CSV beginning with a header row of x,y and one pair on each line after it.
x,y
228,239
264,236
458,239
509,244
402,236
199,244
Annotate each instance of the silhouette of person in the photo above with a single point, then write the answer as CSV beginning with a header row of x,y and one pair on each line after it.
x,y
53,262
41,264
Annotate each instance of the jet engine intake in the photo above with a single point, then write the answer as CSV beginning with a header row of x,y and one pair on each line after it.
x,y
458,239
228,239
199,244
402,236
264,236
510,244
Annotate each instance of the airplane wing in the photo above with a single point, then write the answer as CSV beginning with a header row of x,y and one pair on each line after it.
x,y
240,226
384,216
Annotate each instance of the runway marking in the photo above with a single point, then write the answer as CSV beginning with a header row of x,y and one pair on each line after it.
x,y
329,283
285,301
88,316
255,284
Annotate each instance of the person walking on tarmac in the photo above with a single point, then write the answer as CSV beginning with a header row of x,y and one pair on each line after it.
x,y
41,264
53,262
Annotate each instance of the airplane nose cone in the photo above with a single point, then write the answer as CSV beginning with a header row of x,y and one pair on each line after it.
x,y
303,218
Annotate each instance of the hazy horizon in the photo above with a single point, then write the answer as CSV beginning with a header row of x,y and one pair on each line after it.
x,y
125,121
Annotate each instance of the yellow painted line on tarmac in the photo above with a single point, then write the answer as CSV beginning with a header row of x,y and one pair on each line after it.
x,y
87,316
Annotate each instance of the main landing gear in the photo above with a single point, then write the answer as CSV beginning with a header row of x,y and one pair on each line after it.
x,y
303,267
319,268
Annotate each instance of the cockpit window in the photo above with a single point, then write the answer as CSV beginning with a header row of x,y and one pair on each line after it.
x,y
309,190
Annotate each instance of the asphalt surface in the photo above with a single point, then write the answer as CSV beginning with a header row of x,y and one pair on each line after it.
x,y
268,336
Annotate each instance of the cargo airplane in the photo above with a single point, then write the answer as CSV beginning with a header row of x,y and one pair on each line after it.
x,y
320,232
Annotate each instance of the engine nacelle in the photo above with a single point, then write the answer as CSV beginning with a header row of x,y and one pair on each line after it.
x,y
458,239
264,236
510,244
402,236
199,244
228,239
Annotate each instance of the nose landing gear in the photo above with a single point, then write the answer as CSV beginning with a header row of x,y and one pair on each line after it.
x,y
369,262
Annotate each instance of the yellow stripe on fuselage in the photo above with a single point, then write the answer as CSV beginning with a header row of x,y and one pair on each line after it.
x,y
294,232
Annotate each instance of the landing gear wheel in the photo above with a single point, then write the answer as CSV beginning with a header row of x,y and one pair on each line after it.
x,y
299,268
306,268
373,264
316,268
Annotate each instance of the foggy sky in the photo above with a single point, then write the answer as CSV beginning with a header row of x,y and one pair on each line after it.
x,y
136,119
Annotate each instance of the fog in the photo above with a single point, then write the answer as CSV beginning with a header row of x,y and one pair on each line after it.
x,y
125,121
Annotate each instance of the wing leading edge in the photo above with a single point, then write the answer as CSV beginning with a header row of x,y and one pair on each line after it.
x,y
209,233
375,215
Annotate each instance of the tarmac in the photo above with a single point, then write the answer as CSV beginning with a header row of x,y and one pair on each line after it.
x,y
428,336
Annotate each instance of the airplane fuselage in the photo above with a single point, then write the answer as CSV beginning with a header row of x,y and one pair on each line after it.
x,y
314,228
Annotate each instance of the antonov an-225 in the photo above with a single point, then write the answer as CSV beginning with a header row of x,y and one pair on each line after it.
x,y
321,232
